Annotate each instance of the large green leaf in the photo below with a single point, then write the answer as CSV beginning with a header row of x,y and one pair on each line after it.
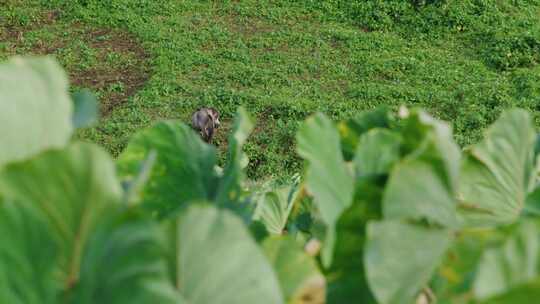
x,y
230,187
72,189
274,207
351,129
428,138
299,277
183,171
65,236
347,282
415,191
511,267
400,258
377,151
454,279
423,184
532,202
497,173
327,177
35,108
219,262
27,257
124,262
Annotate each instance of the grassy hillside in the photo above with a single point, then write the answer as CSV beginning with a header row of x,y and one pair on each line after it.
x,y
464,61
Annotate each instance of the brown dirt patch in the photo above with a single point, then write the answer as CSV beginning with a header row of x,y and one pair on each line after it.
x,y
131,77
128,77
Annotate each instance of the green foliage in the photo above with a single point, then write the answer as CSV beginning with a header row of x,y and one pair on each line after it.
x,y
218,261
230,189
23,230
382,214
41,87
511,266
299,276
191,163
327,177
346,276
375,161
194,162
400,259
499,172
275,205
422,185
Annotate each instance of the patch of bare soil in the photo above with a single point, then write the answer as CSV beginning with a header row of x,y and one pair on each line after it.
x,y
129,77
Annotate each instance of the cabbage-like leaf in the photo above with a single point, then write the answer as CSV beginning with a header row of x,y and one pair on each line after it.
x,y
124,262
35,108
65,236
400,258
454,279
72,189
511,267
351,129
217,261
274,207
28,256
182,172
230,187
497,173
532,202
327,178
377,151
300,279
423,184
347,282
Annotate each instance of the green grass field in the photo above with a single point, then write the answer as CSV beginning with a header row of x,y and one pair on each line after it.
x,y
464,61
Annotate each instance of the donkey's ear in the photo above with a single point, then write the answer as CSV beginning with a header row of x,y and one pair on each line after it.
x,y
214,111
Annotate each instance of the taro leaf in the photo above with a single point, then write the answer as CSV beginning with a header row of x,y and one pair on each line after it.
x,y
351,129
454,279
430,139
511,267
327,178
423,184
377,152
347,282
72,189
497,173
400,258
274,207
27,257
230,187
124,262
532,202
415,191
35,109
299,277
258,230
132,189
182,172
85,112
219,262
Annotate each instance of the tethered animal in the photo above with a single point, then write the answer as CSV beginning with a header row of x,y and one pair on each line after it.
x,y
205,121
